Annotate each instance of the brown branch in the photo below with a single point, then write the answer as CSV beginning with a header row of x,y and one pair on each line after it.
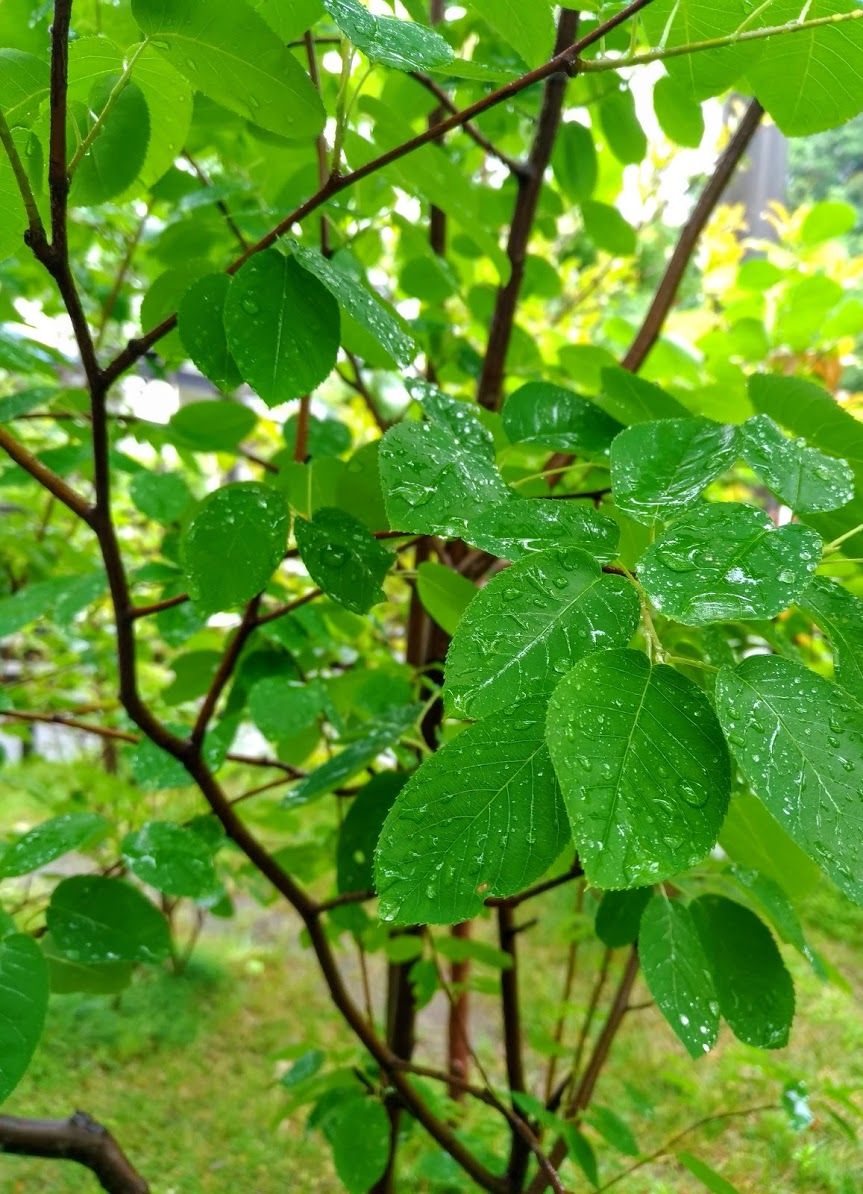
x,y
512,1040
78,1138
584,1093
70,723
45,476
225,671
519,169
567,62
666,292
58,177
530,186
575,872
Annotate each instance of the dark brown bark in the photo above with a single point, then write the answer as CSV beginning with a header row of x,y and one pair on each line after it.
x,y
78,1138
519,1154
529,190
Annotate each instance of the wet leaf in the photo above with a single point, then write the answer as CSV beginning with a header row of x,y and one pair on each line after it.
x,y
48,841
840,615
518,529
726,561
530,624
171,858
23,1004
343,558
642,765
677,972
661,467
481,817
234,544
754,990
434,482
555,418
804,478
94,920
282,327
799,741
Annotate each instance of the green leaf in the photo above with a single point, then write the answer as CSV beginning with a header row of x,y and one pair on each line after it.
x,y
620,125
725,562
660,468
613,1129
530,624
96,920
574,161
13,218
548,415
230,53
677,972
642,765
117,154
527,27
840,615
164,497
522,528
804,478
23,1004
169,102
282,326
827,220
359,301
217,425
810,411
355,757
672,23
67,978
434,482
752,837
459,417
13,405
234,544
708,1177
679,115
630,399
171,858
358,1131
481,817
799,741
200,322
281,707
607,228
290,18
445,594
779,909
405,45
796,77
24,81
618,916
754,990
343,558
49,841
153,769
361,829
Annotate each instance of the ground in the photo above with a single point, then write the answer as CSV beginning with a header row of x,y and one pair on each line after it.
x,y
183,1069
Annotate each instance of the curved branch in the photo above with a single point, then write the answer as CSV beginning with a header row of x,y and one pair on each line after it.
x,y
78,1138
663,299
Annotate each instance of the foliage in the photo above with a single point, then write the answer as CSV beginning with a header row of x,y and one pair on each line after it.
x,y
455,541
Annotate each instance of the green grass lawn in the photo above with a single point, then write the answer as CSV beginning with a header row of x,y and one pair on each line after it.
x,y
183,1070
